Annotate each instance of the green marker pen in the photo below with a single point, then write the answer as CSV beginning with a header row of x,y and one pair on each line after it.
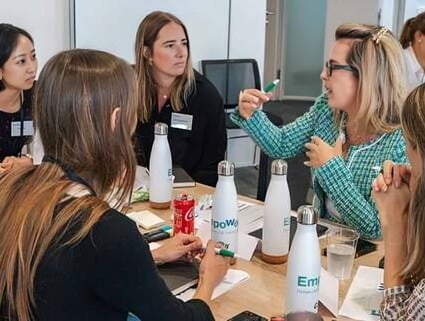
x,y
225,252
271,85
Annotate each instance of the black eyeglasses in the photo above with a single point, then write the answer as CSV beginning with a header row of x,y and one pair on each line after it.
x,y
331,67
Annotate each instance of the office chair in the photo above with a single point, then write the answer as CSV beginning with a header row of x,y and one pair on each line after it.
x,y
230,76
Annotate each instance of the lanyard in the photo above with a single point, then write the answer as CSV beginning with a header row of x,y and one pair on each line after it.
x,y
72,175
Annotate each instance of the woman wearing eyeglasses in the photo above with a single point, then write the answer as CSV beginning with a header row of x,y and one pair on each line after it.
x,y
351,129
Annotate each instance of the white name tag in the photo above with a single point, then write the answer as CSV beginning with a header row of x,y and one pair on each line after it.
x,y
182,121
15,128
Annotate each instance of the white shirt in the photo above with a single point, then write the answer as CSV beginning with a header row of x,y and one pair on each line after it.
x,y
415,74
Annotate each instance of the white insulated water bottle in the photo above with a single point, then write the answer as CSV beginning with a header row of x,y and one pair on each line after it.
x,y
224,215
160,169
303,273
277,216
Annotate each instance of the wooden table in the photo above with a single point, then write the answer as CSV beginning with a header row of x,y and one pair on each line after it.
x,y
264,292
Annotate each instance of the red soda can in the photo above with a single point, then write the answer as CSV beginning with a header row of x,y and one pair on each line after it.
x,y
184,214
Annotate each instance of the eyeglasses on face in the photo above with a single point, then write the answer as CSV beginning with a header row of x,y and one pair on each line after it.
x,y
330,67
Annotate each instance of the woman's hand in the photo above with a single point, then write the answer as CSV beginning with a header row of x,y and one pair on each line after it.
x,y
179,246
212,270
11,161
392,174
250,100
393,205
319,152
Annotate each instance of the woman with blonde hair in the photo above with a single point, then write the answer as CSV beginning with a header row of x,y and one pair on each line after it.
x,y
351,128
172,92
399,194
65,254
412,40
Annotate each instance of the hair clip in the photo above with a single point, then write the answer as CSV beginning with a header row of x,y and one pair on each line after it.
x,y
376,36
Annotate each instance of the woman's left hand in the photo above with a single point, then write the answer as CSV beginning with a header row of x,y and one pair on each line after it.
x,y
320,152
180,245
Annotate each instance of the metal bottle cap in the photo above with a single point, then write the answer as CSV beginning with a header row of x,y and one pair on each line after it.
x,y
161,129
226,168
307,215
279,167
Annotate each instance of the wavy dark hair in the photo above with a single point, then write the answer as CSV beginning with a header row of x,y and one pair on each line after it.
x,y
9,35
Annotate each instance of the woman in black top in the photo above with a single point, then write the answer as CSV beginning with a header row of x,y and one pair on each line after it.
x,y
170,91
65,254
18,67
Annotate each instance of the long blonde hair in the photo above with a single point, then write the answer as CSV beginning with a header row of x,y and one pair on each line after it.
x,y
75,96
182,86
413,124
377,59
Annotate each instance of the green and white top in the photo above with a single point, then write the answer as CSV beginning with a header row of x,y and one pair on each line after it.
x,y
346,182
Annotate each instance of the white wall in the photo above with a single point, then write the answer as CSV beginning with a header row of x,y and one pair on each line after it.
x,y
111,25
342,11
413,7
46,20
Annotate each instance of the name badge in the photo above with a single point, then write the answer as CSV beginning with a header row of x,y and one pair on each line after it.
x,y
15,128
182,121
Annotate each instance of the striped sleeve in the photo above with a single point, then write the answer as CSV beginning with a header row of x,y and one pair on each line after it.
x,y
286,141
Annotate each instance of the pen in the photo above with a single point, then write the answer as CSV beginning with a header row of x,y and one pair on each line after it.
x,y
165,228
225,252
271,85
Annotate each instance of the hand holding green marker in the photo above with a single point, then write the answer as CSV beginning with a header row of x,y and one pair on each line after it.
x,y
271,85
226,253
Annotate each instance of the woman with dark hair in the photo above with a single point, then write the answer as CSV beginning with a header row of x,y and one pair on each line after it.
x,y
172,92
18,67
412,40
65,253
399,195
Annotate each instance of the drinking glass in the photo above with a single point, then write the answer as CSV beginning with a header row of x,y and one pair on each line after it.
x,y
341,248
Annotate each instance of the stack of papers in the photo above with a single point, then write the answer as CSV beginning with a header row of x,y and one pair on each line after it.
x,y
365,295
232,278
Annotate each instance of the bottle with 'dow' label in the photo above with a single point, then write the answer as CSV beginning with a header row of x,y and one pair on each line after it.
x,y
160,169
303,274
224,214
277,216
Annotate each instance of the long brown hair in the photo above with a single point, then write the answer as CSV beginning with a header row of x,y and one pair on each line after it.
x,y
377,59
410,27
75,96
183,85
413,124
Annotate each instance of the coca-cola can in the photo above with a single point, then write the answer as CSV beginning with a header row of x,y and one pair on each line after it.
x,y
184,214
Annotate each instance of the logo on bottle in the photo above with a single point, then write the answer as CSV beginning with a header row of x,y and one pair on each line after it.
x,y
225,223
308,284
287,221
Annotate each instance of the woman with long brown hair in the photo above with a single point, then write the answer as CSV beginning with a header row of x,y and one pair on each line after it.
x,y
172,92
399,194
65,254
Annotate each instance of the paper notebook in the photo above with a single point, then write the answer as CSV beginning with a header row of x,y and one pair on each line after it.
x,y
232,278
182,178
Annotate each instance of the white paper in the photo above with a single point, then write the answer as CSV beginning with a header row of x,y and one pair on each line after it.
x,y
146,219
363,298
329,291
246,243
142,178
232,278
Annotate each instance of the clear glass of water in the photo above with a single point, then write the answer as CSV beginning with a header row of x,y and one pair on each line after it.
x,y
341,248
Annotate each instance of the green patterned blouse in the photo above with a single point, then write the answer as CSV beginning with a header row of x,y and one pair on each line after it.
x,y
347,182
